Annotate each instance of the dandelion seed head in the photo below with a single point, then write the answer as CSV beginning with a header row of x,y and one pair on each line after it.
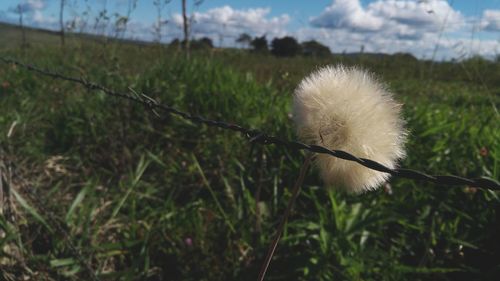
x,y
346,108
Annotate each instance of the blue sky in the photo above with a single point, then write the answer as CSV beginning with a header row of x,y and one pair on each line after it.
x,y
458,28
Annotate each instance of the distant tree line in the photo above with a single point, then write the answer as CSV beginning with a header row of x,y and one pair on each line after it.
x,y
202,43
286,46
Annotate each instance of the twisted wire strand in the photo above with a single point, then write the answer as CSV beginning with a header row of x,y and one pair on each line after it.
x,y
256,136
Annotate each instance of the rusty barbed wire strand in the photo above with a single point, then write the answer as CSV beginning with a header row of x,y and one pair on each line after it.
x,y
256,136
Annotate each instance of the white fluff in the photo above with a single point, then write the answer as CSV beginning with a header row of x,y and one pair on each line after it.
x,y
347,109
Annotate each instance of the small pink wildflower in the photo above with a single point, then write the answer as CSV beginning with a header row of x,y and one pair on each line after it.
x,y
483,151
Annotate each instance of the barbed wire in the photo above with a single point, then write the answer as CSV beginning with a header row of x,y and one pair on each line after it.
x,y
256,136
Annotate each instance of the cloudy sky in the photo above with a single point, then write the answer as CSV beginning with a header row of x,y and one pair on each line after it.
x,y
426,28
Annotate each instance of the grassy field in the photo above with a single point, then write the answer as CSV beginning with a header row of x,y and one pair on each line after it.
x,y
97,184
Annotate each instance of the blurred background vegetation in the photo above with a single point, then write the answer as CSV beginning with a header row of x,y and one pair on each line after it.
x,y
94,182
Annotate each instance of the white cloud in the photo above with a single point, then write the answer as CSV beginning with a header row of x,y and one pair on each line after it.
x,y
428,29
348,14
228,22
40,19
491,20
221,24
28,6
404,19
426,16
36,4
343,40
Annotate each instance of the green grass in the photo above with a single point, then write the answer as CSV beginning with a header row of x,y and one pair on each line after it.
x,y
149,199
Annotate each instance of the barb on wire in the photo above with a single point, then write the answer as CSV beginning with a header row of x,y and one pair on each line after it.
x,y
256,136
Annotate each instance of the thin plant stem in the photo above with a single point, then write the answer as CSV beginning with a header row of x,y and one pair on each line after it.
x,y
286,214
258,218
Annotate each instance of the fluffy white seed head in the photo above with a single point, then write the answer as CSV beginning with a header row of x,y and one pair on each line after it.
x,y
347,109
